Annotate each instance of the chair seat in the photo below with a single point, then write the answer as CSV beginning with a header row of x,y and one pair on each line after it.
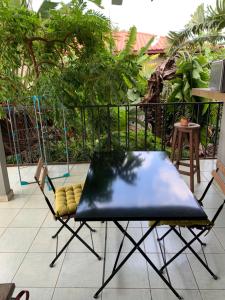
x,y
182,223
67,199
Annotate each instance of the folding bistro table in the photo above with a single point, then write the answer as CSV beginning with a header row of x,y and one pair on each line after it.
x,y
136,186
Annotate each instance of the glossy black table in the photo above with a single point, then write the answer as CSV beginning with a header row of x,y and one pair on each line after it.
x,y
137,186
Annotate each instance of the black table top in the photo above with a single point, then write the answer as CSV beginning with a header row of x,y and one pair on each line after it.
x,y
136,185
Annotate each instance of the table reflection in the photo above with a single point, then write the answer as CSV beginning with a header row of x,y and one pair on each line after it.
x,y
138,185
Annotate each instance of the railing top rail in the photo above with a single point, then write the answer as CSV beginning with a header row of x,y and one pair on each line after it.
x,y
132,105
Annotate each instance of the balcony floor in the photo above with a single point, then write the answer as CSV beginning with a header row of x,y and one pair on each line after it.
x,y
26,249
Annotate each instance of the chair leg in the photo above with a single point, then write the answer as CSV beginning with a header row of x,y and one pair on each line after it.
x,y
163,252
198,239
120,249
89,227
74,234
188,245
164,235
56,234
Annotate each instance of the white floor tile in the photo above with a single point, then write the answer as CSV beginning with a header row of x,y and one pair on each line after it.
x,y
51,222
166,294
36,201
17,239
179,270
9,263
2,229
35,270
133,274
114,238
25,189
213,294
79,169
36,293
73,293
126,294
220,233
207,175
204,279
75,180
207,165
44,242
84,233
211,200
80,270
220,221
135,224
172,243
200,188
213,245
29,218
7,215
18,201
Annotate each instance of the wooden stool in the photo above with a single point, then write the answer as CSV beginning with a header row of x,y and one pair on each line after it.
x,y
192,132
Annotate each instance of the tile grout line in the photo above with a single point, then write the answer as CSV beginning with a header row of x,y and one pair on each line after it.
x,y
218,239
149,282
54,288
193,275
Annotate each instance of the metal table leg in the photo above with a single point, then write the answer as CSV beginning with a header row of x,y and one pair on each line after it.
x,y
136,246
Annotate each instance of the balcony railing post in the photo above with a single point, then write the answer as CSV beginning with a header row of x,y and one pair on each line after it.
x,y
6,192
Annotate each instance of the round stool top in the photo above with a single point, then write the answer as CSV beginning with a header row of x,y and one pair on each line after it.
x,y
190,126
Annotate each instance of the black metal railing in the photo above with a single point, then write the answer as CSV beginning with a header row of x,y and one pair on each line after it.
x,y
70,135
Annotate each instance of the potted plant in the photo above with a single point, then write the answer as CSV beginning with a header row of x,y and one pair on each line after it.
x,y
184,121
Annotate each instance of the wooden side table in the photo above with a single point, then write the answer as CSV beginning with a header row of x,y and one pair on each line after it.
x,y
192,131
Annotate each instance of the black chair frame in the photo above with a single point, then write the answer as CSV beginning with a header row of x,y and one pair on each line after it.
x,y
196,237
63,220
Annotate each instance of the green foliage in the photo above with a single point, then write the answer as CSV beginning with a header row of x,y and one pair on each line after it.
x,y
32,47
67,55
206,25
192,72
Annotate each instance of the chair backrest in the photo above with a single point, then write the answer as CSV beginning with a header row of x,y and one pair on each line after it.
x,y
220,170
219,177
41,174
216,175
41,177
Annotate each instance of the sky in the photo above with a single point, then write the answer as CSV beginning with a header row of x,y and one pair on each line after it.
x,y
157,17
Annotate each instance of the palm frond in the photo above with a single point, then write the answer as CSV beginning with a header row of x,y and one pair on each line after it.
x,y
214,39
97,2
144,49
204,26
129,42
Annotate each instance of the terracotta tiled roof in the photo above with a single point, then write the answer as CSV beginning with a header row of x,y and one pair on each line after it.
x,y
158,46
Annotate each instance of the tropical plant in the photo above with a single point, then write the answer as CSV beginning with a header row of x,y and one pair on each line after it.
x,y
31,46
206,25
67,53
191,72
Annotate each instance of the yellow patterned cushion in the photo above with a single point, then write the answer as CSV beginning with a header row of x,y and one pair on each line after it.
x,y
182,223
67,198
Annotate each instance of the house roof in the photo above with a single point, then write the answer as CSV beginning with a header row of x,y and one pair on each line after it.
x,y
158,46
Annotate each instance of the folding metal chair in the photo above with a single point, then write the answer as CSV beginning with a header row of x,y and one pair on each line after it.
x,y
218,175
66,201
